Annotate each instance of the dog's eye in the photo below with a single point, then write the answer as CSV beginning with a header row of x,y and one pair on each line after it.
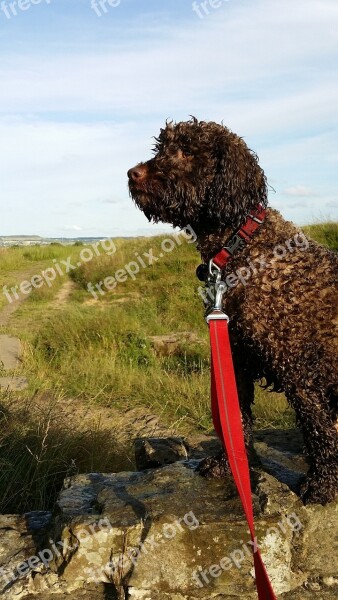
x,y
183,153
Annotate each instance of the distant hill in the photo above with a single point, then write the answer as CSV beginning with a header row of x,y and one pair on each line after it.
x,y
37,240
21,237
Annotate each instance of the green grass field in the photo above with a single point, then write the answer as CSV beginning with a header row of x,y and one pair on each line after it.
x,y
96,348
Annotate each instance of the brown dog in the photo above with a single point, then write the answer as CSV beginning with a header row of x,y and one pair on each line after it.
x,y
283,308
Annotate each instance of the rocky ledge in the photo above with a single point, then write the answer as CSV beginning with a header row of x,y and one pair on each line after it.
x,y
167,534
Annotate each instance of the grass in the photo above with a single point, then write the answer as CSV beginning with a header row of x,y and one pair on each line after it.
x,y
40,446
20,263
19,257
99,350
324,233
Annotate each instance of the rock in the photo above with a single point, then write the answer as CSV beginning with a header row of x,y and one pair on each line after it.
x,y
310,594
153,519
99,592
161,528
10,352
169,534
281,454
16,545
139,423
202,445
38,524
165,345
38,520
23,574
13,383
318,552
158,452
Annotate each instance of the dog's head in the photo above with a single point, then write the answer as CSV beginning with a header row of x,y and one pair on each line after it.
x,y
202,175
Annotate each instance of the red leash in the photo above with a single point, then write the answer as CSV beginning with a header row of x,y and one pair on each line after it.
x,y
228,425
226,412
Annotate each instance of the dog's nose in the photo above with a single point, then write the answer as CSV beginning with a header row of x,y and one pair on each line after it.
x,y
137,173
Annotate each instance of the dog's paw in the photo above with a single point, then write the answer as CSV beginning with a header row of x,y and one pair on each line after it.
x,y
214,467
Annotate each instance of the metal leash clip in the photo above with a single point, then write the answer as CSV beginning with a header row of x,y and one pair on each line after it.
x,y
216,290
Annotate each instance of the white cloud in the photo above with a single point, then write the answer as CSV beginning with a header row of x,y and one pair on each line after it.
x,y
73,227
252,53
266,68
298,204
300,190
68,168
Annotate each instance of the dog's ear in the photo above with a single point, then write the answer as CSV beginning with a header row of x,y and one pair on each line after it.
x,y
239,184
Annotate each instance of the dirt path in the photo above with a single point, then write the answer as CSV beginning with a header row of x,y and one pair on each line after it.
x,y
63,295
11,307
8,310
60,299
10,353
10,347
135,422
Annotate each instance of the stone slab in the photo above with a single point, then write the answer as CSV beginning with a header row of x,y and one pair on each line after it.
x,y
168,524
13,383
16,544
169,534
10,352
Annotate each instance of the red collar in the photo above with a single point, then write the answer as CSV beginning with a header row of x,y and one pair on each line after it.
x,y
236,242
242,237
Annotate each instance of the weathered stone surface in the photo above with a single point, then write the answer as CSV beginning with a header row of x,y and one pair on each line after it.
x,y
168,534
13,383
300,594
99,592
312,592
153,595
166,345
161,550
38,521
151,453
10,351
318,553
281,454
279,451
202,445
16,545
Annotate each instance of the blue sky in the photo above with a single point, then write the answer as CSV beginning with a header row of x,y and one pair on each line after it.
x,y
82,95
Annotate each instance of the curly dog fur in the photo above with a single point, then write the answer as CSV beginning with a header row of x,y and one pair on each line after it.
x,y
283,320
